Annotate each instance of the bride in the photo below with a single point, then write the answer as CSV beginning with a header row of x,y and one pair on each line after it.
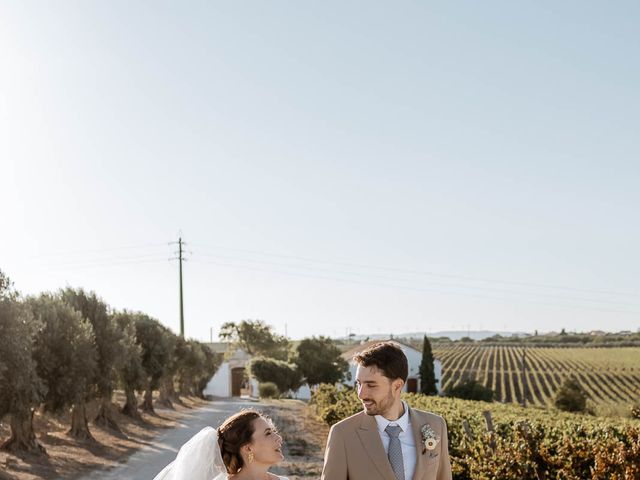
x,y
242,448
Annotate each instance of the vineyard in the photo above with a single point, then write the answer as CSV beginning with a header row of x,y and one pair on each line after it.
x,y
609,376
525,443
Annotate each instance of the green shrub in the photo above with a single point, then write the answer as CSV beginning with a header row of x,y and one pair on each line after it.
x,y
571,397
470,389
268,390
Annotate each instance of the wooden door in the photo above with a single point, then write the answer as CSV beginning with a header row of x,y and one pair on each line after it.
x,y
237,378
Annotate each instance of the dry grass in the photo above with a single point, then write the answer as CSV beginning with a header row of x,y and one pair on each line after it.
x,y
69,458
304,439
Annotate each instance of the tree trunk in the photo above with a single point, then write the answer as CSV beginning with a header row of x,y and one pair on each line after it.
x,y
79,426
175,396
130,407
147,402
105,417
23,438
186,389
164,400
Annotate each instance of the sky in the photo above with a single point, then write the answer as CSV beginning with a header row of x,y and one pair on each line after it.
x,y
333,167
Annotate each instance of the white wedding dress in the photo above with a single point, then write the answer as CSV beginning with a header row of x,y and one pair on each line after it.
x,y
198,459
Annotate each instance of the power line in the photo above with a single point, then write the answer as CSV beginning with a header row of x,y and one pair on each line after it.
x,y
97,250
423,272
408,288
100,265
89,261
437,284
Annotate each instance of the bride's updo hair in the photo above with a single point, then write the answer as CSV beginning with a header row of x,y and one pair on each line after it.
x,y
233,434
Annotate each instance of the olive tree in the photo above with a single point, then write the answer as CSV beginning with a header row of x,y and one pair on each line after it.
x,y
190,368
20,387
166,390
132,375
211,364
197,363
65,355
111,348
157,344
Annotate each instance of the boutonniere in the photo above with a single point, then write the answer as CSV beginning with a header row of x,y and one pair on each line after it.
x,y
429,438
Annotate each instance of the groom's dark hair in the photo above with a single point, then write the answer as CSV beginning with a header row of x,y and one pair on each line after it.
x,y
387,357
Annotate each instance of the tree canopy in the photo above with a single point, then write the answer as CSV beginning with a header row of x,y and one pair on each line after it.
x,y
256,338
320,361
285,376
20,387
64,351
61,350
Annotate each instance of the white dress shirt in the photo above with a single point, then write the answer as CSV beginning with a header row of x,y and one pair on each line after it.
x,y
407,442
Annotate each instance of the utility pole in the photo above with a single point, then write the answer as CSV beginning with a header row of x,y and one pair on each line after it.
x,y
180,260
181,297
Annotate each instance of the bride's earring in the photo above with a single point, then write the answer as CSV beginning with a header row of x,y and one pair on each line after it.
x,y
250,457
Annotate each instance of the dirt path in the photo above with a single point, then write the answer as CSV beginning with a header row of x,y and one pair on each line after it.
x,y
147,462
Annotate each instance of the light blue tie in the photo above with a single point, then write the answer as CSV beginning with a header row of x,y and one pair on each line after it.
x,y
395,451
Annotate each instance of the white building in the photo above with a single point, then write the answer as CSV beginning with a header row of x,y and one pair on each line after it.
x,y
230,379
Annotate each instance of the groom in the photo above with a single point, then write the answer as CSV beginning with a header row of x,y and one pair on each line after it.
x,y
388,440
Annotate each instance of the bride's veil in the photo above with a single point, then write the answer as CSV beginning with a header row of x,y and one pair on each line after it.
x,y
198,459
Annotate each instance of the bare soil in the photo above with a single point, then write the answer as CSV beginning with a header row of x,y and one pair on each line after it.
x,y
304,438
69,458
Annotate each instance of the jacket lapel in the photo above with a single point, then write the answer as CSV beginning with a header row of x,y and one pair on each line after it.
x,y
370,438
416,424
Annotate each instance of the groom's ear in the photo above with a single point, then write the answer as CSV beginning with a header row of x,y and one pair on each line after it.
x,y
398,383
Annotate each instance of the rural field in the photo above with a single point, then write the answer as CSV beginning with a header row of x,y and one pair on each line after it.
x,y
510,442
609,376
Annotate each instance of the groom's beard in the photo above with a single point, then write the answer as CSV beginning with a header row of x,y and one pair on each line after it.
x,y
377,407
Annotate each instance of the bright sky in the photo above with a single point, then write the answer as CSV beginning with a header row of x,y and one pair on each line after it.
x,y
333,166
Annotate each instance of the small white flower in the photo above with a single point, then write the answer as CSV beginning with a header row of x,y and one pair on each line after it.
x,y
429,438
430,443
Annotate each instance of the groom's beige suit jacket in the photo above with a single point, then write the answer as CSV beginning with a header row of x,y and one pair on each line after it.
x,y
355,451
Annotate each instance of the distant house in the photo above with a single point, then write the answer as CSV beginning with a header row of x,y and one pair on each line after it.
x,y
231,379
414,358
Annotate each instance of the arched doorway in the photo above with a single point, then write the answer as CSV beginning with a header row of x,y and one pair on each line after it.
x,y
237,380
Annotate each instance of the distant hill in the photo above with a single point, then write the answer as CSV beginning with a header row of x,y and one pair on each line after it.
x,y
452,334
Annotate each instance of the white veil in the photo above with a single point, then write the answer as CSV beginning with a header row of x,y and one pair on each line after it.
x,y
198,459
